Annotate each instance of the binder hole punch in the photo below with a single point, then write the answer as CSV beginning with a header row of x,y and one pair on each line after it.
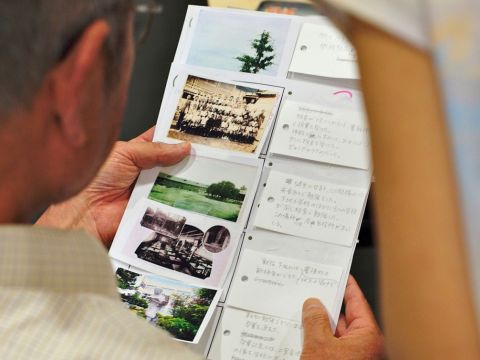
x,y
290,93
227,333
286,127
271,199
303,48
244,278
264,185
250,238
270,164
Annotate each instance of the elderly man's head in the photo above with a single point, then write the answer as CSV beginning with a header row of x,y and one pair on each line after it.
x,y
37,34
64,72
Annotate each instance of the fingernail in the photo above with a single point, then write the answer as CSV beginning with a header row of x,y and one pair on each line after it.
x,y
184,145
312,303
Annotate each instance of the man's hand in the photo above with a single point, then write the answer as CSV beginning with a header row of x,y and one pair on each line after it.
x,y
357,337
99,208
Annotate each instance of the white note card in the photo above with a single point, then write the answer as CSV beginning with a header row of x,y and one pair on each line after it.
x,y
322,50
252,336
324,134
311,209
278,286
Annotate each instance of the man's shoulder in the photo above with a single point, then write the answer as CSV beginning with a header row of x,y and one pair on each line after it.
x,y
81,325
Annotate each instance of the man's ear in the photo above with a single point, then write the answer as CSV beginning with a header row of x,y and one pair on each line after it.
x,y
77,80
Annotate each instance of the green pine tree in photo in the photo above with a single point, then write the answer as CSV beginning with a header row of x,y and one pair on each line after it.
x,y
264,55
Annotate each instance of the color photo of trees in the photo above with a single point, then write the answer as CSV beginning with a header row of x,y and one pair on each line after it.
x,y
172,305
221,199
239,42
263,57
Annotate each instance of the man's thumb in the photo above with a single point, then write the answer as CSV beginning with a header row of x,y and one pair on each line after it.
x,y
146,155
316,322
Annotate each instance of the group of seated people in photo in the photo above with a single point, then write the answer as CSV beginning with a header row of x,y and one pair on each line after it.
x,y
235,119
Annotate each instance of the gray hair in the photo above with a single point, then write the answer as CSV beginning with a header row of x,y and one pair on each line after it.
x,y
36,34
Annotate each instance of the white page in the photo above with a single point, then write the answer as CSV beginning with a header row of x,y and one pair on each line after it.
x,y
330,173
251,336
321,133
322,50
312,209
344,94
229,278
214,349
302,249
278,286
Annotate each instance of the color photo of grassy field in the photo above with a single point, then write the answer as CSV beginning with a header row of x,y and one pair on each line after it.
x,y
221,199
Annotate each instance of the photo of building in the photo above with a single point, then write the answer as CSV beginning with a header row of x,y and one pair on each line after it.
x,y
178,246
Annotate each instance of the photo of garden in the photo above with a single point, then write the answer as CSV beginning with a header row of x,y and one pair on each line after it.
x,y
206,186
222,200
172,305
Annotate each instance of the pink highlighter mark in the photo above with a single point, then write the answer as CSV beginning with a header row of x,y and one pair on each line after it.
x,y
349,93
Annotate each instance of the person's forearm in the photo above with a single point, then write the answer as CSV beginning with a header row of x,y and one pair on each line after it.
x,y
426,297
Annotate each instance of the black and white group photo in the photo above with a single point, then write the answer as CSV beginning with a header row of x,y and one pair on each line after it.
x,y
179,246
222,115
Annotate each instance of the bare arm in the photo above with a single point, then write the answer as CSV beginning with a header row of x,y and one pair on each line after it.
x,y
426,296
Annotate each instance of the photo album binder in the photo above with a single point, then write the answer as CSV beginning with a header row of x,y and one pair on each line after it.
x,y
221,249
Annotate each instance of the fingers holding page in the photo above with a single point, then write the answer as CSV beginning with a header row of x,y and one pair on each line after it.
x,y
146,155
358,313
